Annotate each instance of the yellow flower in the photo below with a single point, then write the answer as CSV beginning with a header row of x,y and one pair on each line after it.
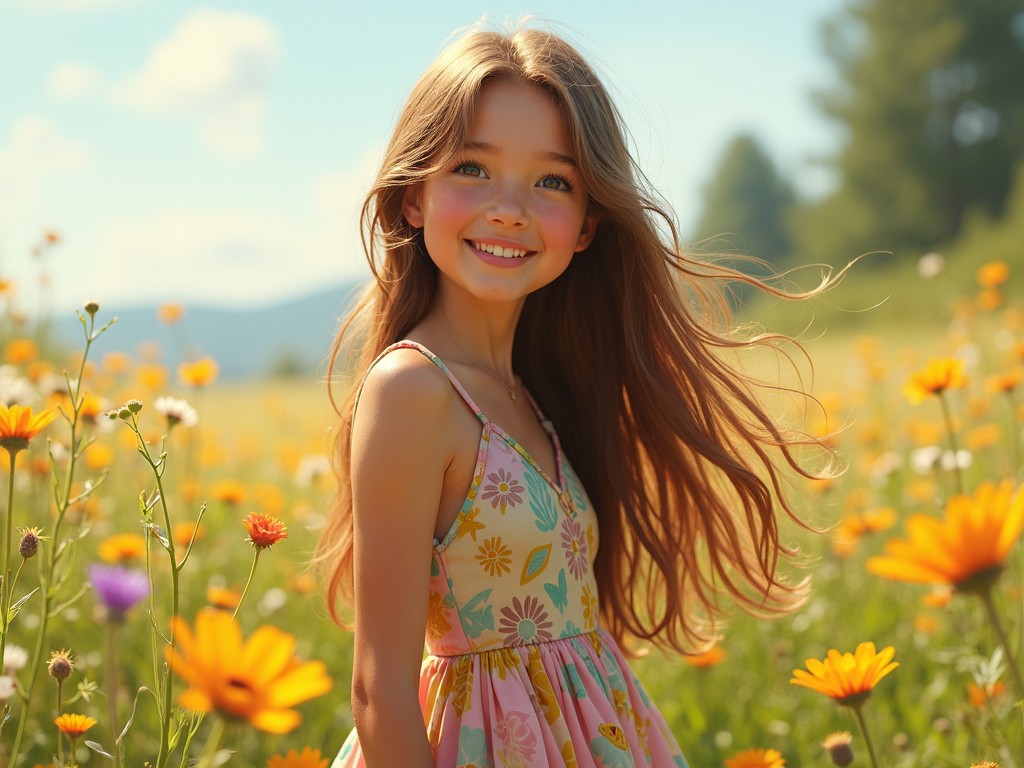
x,y
940,374
756,758
74,725
122,548
21,351
307,758
200,373
848,678
258,680
966,549
993,274
170,313
18,425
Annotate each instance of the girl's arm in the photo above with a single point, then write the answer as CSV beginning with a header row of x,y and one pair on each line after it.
x,y
398,465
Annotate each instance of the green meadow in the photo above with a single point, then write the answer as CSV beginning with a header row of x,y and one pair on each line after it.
x,y
262,446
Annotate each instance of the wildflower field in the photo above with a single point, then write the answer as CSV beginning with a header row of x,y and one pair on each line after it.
x,y
156,604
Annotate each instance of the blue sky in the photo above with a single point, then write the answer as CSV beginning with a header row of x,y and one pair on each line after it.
x,y
215,153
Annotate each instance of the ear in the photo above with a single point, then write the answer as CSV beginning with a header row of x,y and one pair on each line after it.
x,y
587,232
412,205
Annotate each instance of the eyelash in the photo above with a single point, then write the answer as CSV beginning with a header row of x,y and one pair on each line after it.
x,y
457,168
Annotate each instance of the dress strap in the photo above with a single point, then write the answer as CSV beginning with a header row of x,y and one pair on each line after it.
x,y
406,344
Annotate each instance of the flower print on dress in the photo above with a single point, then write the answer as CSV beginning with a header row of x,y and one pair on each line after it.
x,y
495,557
502,489
590,607
437,615
575,545
525,622
518,740
611,748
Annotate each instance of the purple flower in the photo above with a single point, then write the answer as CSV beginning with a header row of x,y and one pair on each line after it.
x,y
118,588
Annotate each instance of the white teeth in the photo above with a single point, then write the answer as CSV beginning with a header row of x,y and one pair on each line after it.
x,y
497,250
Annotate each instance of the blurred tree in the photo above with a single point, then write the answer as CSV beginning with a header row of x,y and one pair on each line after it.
x,y
747,203
931,96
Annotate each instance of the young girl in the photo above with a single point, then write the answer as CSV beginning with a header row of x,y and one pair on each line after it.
x,y
544,453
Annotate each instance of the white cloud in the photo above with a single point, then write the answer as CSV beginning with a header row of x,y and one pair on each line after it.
x,y
214,68
222,258
73,80
36,149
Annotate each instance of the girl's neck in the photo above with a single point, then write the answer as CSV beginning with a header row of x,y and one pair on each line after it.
x,y
482,332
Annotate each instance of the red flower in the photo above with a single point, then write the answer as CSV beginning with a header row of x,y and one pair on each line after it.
x,y
264,530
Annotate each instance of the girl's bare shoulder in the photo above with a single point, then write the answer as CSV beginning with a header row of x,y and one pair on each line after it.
x,y
406,387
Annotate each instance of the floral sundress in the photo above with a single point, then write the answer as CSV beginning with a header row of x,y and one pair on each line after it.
x,y
518,673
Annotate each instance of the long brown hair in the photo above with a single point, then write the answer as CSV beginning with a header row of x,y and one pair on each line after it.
x,y
624,352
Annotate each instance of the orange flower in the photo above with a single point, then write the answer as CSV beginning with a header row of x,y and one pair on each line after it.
x,y
936,377
264,530
122,548
18,425
74,725
1004,383
21,351
848,678
98,456
993,274
258,680
307,758
200,373
92,407
223,598
712,656
966,549
756,758
229,491
980,696
185,533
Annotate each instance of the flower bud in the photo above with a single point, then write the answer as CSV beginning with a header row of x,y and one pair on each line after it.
x,y
123,413
29,544
92,307
134,405
838,746
60,665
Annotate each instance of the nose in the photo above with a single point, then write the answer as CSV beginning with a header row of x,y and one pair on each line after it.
x,y
508,208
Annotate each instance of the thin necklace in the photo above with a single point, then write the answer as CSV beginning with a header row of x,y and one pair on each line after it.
x,y
510,389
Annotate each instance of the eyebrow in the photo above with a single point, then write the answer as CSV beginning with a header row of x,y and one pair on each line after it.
x,y
557,157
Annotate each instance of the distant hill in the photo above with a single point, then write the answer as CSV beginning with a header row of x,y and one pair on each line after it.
x,y
289,338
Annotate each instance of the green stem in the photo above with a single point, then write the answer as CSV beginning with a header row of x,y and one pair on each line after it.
x,y
997,626
865,735
61,500
157,468
112,689
5,599
248,582
60,741
948,418
206,760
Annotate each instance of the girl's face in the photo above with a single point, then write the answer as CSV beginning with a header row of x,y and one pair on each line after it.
x,y
509,213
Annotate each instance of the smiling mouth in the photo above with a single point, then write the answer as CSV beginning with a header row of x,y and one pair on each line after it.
x,y
499,251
